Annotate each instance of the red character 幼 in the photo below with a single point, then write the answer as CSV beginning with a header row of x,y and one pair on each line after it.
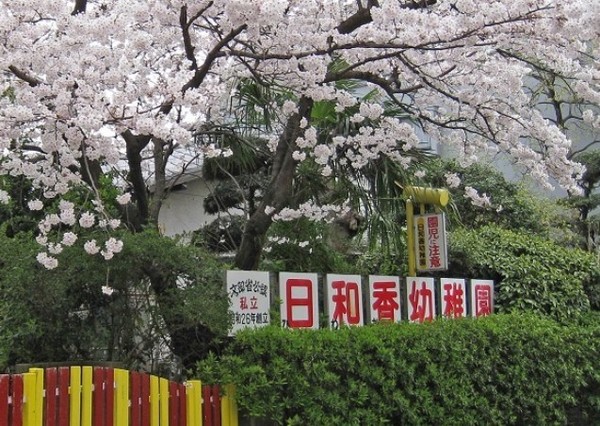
x,y
421,301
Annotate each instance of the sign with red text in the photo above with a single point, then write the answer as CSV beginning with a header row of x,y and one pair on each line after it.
x,y
430,242
344,300
299,300
420,306
384,298
249,297
482,298
453,297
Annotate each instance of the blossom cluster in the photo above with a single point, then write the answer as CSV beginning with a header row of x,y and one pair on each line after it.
x,y
84,88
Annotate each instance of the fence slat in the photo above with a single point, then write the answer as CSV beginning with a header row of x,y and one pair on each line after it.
x,y
121,408
174,400
216,405
64,381
229,413
87,378
135,390
109,380
182,404
33,398
154,401
4,388
50,413
193,397
17,400
207,405
145,378
163,395
99,397
75,397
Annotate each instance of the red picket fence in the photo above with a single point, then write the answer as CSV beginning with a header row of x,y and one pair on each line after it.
x,y
101,396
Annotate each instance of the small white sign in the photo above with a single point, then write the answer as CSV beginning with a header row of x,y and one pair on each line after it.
x,y
430,242
249,295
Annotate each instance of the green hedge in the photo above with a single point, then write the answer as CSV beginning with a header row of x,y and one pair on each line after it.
x,y
505,369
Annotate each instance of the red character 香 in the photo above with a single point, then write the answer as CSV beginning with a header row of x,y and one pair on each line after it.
x,y
385,303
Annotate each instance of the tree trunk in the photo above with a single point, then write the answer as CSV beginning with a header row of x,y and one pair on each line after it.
x,y
279,191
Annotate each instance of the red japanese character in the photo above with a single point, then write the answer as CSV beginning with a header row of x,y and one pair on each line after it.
x,y
385,296
421,301
346,300
454,300
483,300
305,304
243,303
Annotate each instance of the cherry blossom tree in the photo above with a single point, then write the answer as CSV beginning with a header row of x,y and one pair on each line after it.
x,y
90,86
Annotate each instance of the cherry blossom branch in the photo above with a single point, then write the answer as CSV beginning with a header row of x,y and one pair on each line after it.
x,y
32,81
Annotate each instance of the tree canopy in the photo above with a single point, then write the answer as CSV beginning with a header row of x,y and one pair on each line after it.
x,y
92,86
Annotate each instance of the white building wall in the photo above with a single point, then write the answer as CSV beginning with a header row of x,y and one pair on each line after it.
x,y
183,211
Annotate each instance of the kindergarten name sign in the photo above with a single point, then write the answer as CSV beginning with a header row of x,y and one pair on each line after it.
x,y
346,303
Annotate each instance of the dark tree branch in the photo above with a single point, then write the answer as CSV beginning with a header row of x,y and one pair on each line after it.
x,y
134,146
80,6
211,57
279,192
363,14
33,81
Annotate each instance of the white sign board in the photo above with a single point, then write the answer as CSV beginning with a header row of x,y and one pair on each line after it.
x,y
344,300
482,298
430,242
384,298
420,295
299,300
250,299
453,297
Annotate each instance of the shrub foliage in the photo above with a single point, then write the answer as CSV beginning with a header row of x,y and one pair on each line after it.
x,y
531,273
505,369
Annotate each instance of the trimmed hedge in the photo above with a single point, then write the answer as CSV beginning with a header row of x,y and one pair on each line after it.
x,y
505,369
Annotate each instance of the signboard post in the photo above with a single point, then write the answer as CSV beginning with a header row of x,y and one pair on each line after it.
x,y
434,196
